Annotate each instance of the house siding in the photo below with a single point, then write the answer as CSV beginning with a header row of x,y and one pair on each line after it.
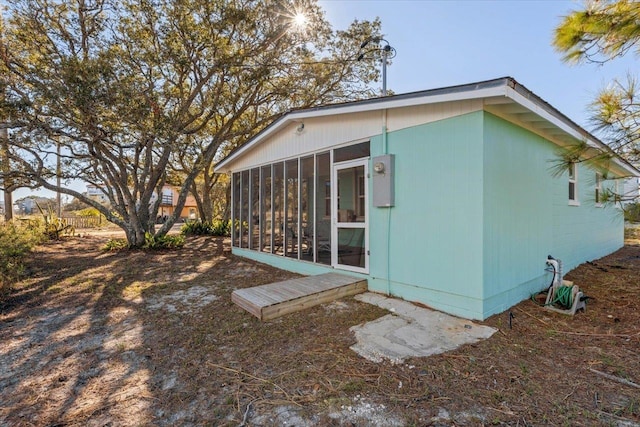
x,y
527,216
323,133
477,207
586,232
432,250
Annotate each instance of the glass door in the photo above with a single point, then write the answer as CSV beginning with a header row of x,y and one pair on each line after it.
x,y
350,216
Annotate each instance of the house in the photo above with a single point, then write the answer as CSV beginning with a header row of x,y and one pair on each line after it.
x,y
34,204
167,204
96,193
447,197
169,201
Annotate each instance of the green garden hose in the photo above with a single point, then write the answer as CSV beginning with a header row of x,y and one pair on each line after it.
x,y
563,297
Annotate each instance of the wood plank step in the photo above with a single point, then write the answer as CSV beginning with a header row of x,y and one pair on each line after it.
x,y
277,299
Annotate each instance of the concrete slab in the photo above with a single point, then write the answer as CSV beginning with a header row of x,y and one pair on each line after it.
x,y
412,331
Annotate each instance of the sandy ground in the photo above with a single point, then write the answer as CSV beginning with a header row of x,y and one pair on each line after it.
x,y
151,338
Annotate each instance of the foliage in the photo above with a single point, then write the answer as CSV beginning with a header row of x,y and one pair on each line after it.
x,y
88,212
166,241
600,32
16,241
116,245
206,228
75,205
632,212
153,242
54,227
133,94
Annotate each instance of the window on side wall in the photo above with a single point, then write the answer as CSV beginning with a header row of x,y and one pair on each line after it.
x,y
573,185
598,190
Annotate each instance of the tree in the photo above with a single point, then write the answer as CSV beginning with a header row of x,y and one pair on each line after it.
x,y
75,205
129,88
602,31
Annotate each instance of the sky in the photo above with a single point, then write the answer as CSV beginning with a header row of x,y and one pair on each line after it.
x,y
447,43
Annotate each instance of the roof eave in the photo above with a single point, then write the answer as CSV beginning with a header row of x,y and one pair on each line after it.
x,y
489,88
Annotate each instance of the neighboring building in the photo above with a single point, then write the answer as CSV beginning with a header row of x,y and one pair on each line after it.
x,y
167,204
447,196
96,193
32,204
169,201
631,190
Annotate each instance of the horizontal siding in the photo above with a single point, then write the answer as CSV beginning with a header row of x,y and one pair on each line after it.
x,y
403,118
322,133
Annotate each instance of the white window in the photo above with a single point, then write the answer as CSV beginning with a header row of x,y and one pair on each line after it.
x,y
573,185
598,190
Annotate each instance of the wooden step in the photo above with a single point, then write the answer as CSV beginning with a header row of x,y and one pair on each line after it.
x,y
277,299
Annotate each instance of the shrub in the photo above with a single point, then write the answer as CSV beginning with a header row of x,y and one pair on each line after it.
x,y
150,242
54,226
205,228
89,212
16,241
115,245
163,242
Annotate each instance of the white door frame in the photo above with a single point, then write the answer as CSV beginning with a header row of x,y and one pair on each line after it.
x,y
335,168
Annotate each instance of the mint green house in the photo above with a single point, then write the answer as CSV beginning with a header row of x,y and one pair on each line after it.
x,y
446,197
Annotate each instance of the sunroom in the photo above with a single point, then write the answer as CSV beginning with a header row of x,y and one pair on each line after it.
x,y
284,208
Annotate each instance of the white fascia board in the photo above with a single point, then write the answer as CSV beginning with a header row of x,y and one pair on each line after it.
x,y
399,103
536,108
360,107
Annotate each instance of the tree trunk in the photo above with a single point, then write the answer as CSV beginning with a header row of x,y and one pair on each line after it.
x,y
226,216
199,205
207,204
6,169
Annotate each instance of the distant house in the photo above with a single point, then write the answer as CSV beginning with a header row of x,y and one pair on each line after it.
x,y
167,203
96,193
32,204
445,196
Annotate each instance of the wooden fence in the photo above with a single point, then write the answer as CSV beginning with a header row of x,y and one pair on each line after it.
x,y
83,221
77,222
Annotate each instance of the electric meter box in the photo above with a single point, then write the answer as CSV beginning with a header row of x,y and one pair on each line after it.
x,y
383,177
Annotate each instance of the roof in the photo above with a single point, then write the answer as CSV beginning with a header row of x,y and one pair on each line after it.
x,y
504,97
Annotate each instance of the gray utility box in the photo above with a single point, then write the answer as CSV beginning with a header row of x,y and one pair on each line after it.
x,y
383,173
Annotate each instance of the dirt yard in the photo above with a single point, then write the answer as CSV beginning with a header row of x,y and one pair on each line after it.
x,y
151,338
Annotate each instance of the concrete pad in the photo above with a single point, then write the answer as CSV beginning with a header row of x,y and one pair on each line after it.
x,y
412,331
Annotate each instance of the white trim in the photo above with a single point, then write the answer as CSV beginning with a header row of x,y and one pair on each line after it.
x,y
359,107
598,190
573,170
537,109
505,88
335,224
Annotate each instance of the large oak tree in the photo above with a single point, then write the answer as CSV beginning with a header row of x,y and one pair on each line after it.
x,y
131,91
